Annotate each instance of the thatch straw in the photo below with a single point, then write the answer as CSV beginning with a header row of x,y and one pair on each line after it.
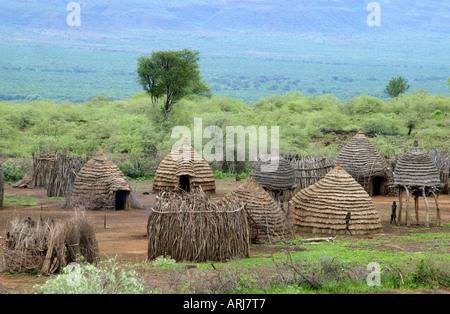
x,y
184,162
46,246
416,169
361,159
267,220
96,185
323,206
188,227
281,178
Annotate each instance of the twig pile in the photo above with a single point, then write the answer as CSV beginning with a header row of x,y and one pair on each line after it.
x,y
188,227
46,246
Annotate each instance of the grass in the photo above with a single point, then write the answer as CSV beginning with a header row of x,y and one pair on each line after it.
x,y
333,267
15,200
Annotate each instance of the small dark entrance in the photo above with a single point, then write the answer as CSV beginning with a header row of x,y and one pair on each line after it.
x,y
377,186
185,183
121,199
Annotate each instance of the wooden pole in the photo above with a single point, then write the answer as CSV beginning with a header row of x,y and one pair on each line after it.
x,y
427,217
438,212
408,222
416,208
399,220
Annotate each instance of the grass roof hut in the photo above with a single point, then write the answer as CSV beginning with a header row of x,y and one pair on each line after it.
x,y
184,169
417,174
276,175
324,206
364,163
267,221
189,227
100,185
2,186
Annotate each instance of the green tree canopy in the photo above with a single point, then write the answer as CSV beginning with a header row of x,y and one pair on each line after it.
x,y
173,74
396,86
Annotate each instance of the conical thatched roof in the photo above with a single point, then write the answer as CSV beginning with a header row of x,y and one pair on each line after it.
x,y
415,168
272,224
361,159
184,162
323,206
273,173
97,183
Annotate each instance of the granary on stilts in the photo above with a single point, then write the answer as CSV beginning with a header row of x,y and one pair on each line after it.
x,y
189,227
336,204
184,169
418,175
276,175
100,185
364,163
268,223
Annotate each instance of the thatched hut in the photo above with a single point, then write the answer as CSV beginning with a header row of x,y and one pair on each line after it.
x,y
2,186
324,206
276,175
269,224
47,246
189,227
184,169
364,163
100,185
417,173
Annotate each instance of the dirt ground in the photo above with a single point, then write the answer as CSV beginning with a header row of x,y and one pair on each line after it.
x,y
125,232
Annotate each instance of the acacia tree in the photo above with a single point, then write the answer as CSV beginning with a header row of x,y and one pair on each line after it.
x,y
173,74
396,86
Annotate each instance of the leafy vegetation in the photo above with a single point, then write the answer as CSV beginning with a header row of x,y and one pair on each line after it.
x,y
109,277
397,86
127,131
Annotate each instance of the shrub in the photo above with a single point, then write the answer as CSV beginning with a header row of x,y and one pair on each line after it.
x,y
106,278
381,124
12,172
366,105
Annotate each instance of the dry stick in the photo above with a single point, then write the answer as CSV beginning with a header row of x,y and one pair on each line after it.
x,y
427,217
438,212
400,204
408,223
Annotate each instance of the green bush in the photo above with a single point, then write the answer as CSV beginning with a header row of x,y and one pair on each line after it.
x,y
12,172
106,278
381,124
365,104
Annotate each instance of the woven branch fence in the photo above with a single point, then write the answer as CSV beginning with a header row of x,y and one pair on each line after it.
x,y
46,246
63,173
308,169
189,227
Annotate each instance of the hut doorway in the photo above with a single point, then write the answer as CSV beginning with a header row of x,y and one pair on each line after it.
x,y
185,183
121,199
378,186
